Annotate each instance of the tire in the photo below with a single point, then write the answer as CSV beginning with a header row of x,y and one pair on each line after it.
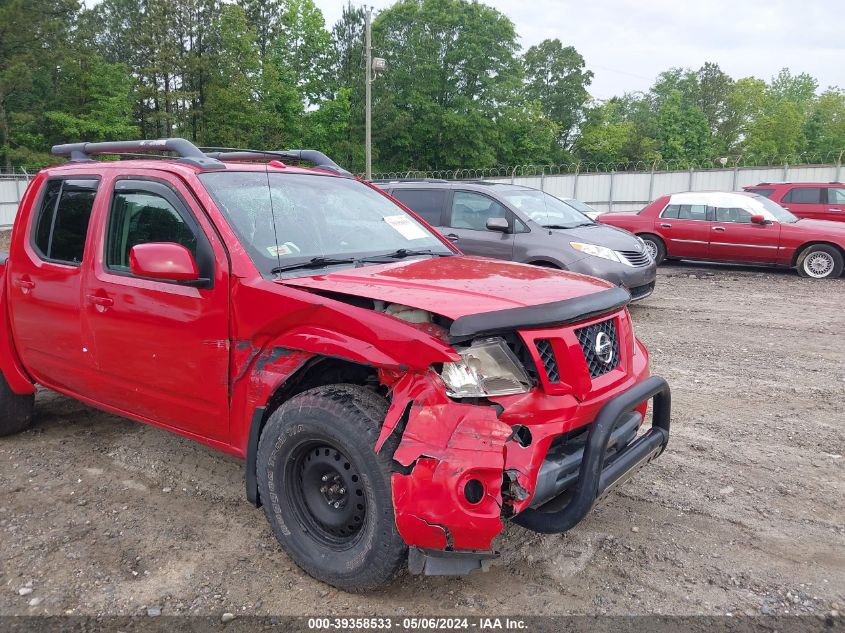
x,y
15,410
655,247
820,261
317,448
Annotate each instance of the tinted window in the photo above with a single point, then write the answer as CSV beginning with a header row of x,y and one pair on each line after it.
x,y
63,219
427,203
836,196
804,195
763,192
671,211
139,218
733,214
692,212
472,210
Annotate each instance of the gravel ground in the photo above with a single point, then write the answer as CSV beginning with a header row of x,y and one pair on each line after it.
x,y
743,514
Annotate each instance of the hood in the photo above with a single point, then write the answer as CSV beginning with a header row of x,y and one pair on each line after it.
x,y
602,235
817,227
455,286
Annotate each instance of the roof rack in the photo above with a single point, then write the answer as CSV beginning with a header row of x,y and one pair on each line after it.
x,y
385,180
204,158
187,151
316,158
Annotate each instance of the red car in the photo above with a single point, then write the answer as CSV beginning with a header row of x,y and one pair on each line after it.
x,y
735,227
392,399
812,200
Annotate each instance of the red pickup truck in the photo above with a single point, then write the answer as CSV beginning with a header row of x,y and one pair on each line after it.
x,y
392,399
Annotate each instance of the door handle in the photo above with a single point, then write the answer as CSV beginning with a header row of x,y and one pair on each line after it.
x,y
718,228
452,237
666,225
105,302
25,284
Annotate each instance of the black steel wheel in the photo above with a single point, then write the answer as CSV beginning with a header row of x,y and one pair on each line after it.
x,y
325,491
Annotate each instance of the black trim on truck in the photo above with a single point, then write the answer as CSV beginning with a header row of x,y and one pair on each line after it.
x,y
543,315
594,477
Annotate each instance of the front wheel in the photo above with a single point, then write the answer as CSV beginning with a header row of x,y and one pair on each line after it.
x,y
15,410
820,261
654,246
325,492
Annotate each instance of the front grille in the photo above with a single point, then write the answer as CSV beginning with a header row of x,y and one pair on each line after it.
x,y
588,338
635,258
547,357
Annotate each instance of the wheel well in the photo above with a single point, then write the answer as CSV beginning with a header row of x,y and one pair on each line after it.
x,y
800,250
316,372
544,264
654,235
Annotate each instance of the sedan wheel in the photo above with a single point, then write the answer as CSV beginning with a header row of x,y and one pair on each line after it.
x,y
820,262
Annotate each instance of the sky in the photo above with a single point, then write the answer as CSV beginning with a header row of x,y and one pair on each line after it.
x,y
627,43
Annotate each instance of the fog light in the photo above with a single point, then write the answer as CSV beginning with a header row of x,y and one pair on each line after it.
x,y
474,491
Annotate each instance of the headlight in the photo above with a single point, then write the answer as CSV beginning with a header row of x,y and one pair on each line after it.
x,y
596,251
487,368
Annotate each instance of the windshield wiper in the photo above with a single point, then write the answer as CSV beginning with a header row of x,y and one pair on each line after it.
x,y
314,262
560,226
402,253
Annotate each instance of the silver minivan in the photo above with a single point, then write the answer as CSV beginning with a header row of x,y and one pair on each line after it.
x,y
530,226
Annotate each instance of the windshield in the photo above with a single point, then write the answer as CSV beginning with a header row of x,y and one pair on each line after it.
x,y
283,220
580,206
544,209
776,211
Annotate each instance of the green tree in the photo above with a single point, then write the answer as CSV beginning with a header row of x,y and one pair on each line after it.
x,y
232,112
555,77
452,70
682,131
825,129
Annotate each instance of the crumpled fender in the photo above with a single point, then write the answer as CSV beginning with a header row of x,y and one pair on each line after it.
x,y
445,444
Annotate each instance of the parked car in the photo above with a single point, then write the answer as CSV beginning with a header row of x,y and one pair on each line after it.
x,y
812,200
526,225
392,399
739,227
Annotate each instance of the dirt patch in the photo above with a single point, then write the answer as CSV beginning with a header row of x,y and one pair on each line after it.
x,y
744,513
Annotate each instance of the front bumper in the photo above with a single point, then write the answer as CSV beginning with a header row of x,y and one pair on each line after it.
x,y
509,454
638,280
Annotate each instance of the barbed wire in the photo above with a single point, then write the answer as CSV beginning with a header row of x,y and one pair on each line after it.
x,y
587,167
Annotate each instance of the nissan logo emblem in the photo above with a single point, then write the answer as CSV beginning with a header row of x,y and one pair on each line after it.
x,y
604,348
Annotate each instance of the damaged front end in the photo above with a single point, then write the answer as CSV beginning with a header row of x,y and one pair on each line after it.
x,y
538,446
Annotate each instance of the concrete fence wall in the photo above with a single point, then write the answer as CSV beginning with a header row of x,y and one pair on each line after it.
x,y
11,192
630,191
608,191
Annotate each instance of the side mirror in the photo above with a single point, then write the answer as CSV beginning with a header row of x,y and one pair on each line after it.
x,y
163,260
759,219
498,224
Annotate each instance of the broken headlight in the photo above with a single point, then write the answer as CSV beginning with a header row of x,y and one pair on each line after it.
x,y
487,368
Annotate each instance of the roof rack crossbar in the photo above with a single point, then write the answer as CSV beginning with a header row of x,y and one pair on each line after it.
x,y
187,151
318,159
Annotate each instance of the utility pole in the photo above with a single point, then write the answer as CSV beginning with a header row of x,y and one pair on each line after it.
x,y
368,134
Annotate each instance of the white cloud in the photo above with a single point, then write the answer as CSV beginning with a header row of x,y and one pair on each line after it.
x,y
627,43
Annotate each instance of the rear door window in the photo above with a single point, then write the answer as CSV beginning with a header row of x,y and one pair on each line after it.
x,y
804,195
426,203
671,211
62,224
692,212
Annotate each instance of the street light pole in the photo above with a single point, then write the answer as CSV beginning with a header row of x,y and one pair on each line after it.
x,y
368,140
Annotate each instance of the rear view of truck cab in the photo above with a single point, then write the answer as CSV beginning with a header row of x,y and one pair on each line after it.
x,y
394,401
